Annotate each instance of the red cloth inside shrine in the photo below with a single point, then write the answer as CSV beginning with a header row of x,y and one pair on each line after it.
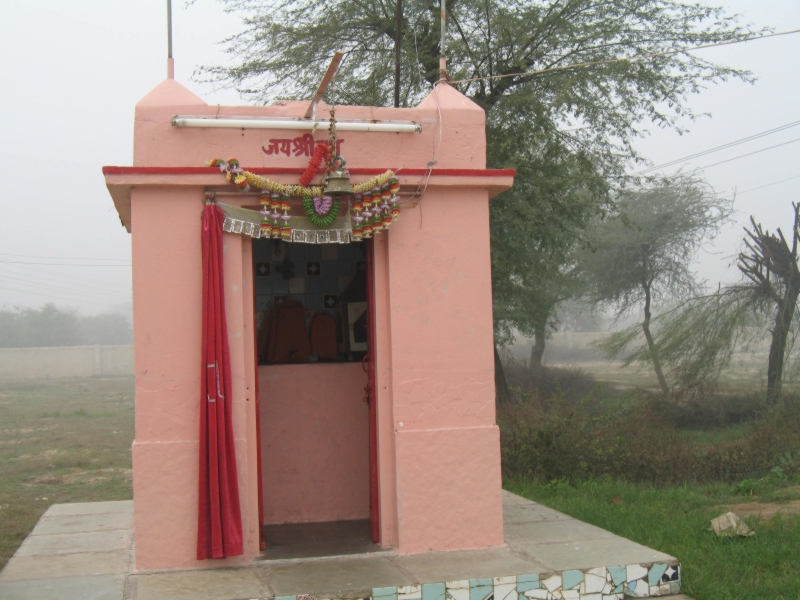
x,y
219,520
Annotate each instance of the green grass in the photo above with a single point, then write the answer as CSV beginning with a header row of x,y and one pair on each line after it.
x,y
65,440
676,520
69,441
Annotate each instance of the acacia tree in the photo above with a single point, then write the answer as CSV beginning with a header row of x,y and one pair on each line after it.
x,y
770,266
643,255
697,339
569,133
712,327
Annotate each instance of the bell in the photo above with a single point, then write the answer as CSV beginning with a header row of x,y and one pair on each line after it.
x,y
337,183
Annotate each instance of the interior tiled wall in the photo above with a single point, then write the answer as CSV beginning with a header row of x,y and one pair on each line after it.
x,y
321,273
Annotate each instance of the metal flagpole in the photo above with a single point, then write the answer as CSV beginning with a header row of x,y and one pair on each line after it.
x,y
398,39
170,61
442,59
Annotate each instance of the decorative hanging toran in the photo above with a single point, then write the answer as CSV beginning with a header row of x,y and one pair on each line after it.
x,y
372,207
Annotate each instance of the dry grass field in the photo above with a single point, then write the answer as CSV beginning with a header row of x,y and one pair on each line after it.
x,y
746,373
64,440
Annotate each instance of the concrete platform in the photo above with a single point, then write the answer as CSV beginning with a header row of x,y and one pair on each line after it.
x,y
84,551
311,540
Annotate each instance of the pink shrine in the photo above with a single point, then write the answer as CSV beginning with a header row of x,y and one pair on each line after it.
x,y
406,325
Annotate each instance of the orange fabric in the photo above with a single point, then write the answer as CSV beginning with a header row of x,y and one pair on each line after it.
x,y
323,336
288,337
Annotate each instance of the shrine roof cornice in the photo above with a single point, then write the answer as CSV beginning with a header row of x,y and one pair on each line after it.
x,y
113,170
121,180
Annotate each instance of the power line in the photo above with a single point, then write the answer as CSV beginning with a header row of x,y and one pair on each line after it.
x,y
22,277
55,274
748,154
18,262
68,289
625,59
718,148
57,281
743,155
119,297
52,296
61,257
767,185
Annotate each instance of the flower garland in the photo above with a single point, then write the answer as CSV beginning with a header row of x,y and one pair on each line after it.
x,y
276,202
321,210
320,150
244,180
373,207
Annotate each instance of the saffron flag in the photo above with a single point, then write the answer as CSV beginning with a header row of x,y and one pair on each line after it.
x,y
219,519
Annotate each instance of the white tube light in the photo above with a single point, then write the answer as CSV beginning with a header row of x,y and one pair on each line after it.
x,y
285,123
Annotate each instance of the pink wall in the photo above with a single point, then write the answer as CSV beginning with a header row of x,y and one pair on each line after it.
x,y
439,469
157,143
315,442
167,318
436,371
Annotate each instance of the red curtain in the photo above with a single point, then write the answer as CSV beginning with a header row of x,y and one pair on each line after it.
x,y
219,519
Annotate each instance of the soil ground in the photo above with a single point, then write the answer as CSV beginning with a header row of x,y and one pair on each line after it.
x,y
62,440
766,511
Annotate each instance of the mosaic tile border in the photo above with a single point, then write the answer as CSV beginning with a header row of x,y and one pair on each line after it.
x,y
602,583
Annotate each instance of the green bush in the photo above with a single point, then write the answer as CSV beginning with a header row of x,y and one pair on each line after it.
x,y
635,438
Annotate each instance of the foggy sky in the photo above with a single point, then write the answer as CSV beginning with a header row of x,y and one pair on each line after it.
x,y
73,72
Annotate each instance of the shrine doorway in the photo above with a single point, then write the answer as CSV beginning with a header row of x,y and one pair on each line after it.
x,y
318,453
